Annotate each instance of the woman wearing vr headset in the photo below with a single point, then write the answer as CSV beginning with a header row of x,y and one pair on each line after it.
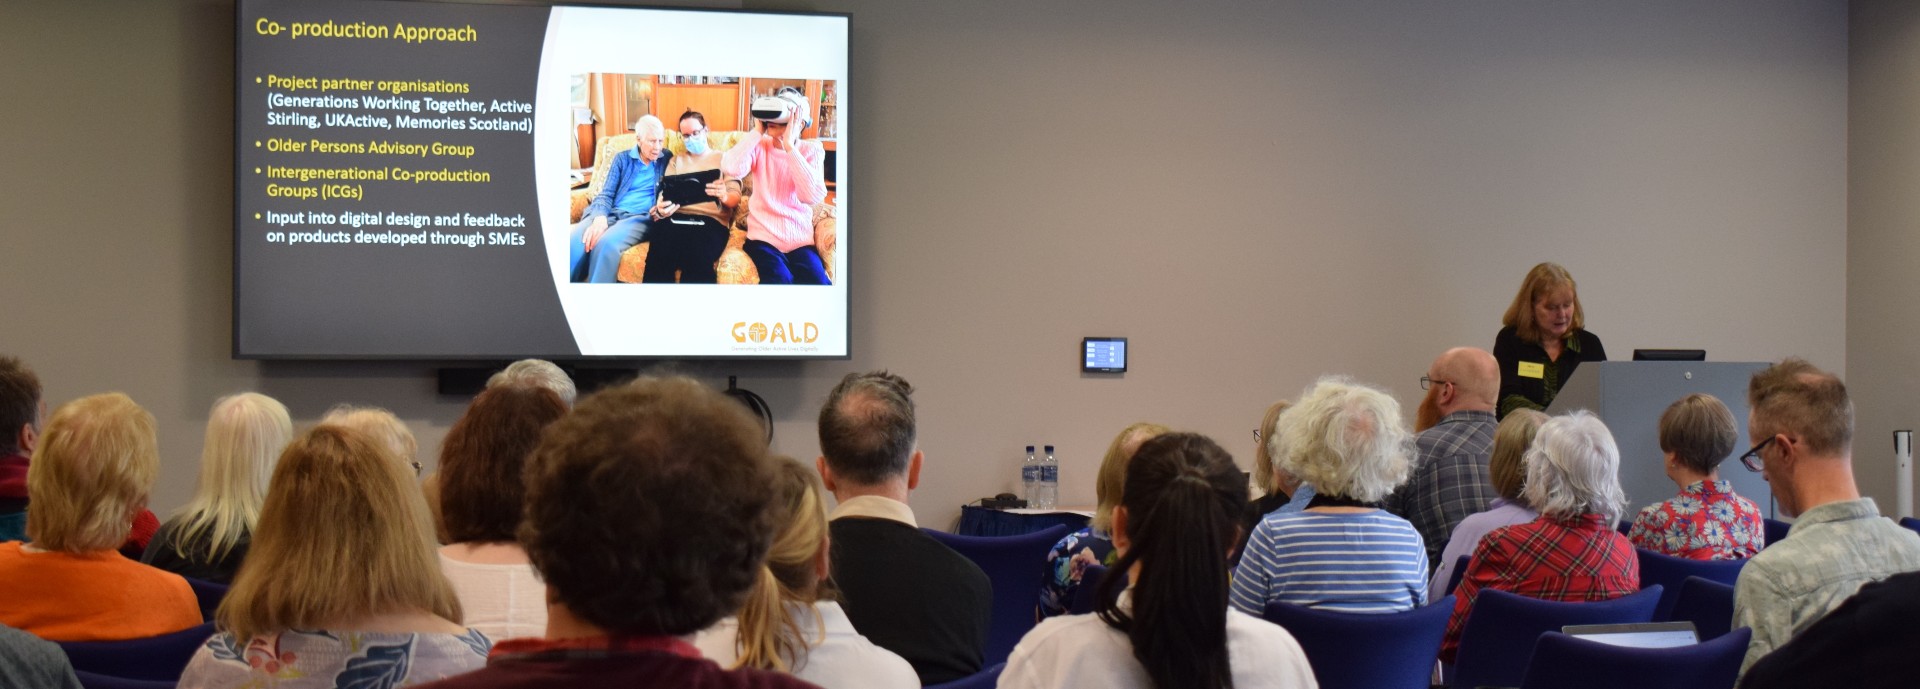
x,y
788,179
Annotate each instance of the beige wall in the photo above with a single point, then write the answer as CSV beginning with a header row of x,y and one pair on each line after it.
x,y
1883,249
1255,193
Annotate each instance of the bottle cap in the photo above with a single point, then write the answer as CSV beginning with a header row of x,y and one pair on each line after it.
x,y
1029,448
1049,448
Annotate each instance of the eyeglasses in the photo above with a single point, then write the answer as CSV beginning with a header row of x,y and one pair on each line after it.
x,y
417,468
1256,435
1752,458
1426,381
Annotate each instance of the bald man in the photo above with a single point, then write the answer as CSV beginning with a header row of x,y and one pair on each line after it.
x,y
1450,478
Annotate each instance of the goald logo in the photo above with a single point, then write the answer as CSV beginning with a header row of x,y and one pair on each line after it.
x,y
785,333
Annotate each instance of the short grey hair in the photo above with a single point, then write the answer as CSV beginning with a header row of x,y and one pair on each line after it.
x,y
1573,468
1345,439
537,373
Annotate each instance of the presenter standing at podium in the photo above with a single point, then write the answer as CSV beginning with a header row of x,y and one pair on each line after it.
x,y
1543,341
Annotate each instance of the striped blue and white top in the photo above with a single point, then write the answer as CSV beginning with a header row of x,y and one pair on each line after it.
x,y
1363,562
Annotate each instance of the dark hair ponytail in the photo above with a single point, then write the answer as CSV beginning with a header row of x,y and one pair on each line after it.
x,y
1184,497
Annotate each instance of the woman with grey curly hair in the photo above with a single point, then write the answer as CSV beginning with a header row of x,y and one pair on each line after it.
x,y
1342,552
1570,553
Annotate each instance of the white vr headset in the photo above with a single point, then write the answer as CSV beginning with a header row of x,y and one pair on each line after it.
x,y
782,107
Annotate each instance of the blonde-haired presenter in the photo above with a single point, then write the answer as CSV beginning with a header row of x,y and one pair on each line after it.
x,y
1543,340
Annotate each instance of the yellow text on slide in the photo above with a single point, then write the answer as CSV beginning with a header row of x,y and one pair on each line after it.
x,y
332,29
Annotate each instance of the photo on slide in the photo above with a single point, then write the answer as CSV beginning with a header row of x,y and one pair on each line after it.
x,y
702,179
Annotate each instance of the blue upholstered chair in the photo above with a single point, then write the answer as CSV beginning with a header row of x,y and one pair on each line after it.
x,y
1502,628
1776,530
156,658
89,680
1459,572
209,595
1016,565
1668,571
1707,604
1564,662
1910,523
984,679
1357,651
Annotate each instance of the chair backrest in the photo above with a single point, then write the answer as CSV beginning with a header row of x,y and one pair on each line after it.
x,y
1668,571
984,679
1776,530
1911,523
1707,604
89,680
1086,596
1502,627
1564,662
1017,566
153,658
1459,572
1359,651
209,594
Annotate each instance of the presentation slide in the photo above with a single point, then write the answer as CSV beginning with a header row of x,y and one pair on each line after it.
x,y
428,180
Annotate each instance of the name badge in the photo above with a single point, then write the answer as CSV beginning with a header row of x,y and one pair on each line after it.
x,y
1530,369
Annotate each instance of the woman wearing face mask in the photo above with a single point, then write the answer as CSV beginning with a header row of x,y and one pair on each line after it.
x,y
788,179
688,239
1544,339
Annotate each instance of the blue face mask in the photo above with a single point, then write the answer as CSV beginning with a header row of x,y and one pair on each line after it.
x,y
697,144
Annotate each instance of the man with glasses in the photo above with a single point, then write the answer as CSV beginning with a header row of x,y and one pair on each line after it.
x,y
1800,420
1450,477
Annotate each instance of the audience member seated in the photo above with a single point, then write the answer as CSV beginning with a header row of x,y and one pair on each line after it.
x,y
1866,643
208,539
909,593
1092,545
1572,552
1508,469
30,662
1706,521
21,411
383,427
93,468
1171,629
481,497
1800,420
789,623
341,588
1343,553
1276,484
1455,440
650,511
538,373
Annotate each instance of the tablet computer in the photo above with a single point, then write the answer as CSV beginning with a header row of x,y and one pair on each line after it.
x,y
688,189
1638,635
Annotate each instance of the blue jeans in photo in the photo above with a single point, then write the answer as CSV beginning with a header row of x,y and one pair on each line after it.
x,y
601,265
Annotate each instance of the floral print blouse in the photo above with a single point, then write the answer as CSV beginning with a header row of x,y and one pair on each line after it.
x,y
1066,562
1706,521
334,660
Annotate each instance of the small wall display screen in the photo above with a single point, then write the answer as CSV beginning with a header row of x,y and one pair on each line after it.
x,y
1104,355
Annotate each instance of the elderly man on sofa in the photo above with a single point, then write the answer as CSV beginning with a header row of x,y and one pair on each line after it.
x,y
618,217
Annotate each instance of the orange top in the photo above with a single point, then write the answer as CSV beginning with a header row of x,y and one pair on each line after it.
x,y
97,596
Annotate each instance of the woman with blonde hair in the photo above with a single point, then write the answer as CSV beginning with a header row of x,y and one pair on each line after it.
x,y
382,426
208,539
790,622
342,584
1542,339
1508,469
91,471
1093,544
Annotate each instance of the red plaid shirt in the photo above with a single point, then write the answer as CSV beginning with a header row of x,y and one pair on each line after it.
x,y
1580,559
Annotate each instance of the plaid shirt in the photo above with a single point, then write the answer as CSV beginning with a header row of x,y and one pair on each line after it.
x,y
1582,559
1450,478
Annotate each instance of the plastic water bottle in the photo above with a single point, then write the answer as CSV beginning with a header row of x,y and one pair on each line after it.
x,y
1049,480
1030,478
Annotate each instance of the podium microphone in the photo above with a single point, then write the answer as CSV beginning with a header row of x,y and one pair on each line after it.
x,y
1903,471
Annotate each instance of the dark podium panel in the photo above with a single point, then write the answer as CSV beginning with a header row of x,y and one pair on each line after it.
x,y
1629,396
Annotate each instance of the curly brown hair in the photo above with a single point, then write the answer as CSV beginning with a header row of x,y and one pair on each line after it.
x,y
483,457
650,507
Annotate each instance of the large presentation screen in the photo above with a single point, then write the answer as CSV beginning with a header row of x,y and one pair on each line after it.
x,y
427,180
